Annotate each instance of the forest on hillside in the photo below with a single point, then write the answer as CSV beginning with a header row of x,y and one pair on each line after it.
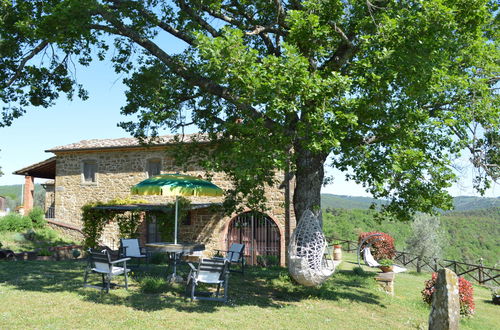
x,y
13,195
467,235
460,203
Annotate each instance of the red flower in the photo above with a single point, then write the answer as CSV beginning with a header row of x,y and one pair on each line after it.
x,y
382,245
465,293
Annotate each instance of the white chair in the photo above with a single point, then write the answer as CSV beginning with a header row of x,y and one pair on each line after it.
x,y
209,271
235,255
130,248
101,263
371,262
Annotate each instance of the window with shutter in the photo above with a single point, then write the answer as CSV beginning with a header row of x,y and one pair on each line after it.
x,y
154,167
89,171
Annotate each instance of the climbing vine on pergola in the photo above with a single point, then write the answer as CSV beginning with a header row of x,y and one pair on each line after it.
x,y
128,214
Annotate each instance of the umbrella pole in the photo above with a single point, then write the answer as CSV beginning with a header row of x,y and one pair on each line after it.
x,y
176,218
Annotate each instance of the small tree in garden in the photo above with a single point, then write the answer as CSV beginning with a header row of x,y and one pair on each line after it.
x,y
426,239
465,293
382,245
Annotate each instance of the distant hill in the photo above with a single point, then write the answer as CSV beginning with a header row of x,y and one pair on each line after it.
x,y
346,202
462,203
15,190
13,193
466,203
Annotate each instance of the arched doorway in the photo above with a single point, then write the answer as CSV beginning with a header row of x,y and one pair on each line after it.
x,y
258,232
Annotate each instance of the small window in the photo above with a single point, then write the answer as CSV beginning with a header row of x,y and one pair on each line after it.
x,y
154,167
89,171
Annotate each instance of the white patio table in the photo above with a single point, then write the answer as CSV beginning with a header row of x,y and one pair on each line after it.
x,y
175,250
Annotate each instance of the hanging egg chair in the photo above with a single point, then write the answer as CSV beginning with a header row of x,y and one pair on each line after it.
x,y
306,262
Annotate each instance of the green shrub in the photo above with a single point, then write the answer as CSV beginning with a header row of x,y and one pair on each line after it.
x,y
465,294
37,217
47,235
386,262
267,261
15,222
44,252
153,284
18,237
382,246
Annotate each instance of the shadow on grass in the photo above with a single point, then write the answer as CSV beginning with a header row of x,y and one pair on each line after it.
x,y
269,288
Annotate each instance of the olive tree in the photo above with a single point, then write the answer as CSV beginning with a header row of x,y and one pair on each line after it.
x,y
426,240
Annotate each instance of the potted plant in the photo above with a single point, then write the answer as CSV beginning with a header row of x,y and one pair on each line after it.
x,y
386,265
495,295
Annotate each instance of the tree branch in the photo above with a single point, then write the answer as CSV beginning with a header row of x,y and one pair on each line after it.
x,y
164,26
180,69
197,18
237,10
25,60
264,29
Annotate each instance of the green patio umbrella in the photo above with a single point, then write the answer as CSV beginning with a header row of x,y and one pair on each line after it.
x,y
176,185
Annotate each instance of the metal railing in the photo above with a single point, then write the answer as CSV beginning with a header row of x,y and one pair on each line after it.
x,y
50,213
479,273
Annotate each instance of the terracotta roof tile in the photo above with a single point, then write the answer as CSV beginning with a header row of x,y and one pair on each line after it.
x,y
125,142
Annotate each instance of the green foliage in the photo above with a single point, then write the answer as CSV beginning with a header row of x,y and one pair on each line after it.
x,y
465,293
427,238
94,222
382,245
32,240
15,222
472,235
385,262
95,219
44,252
37,216
30,235
47,235
166,219
394,90
468,235
128,224
14,193
267,261
460,203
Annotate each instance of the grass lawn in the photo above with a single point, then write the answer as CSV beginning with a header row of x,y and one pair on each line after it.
x,y
38,294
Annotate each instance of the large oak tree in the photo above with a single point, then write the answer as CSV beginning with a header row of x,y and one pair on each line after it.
x,y
388,91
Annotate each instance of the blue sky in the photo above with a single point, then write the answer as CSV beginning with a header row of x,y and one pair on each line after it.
x,y
24,143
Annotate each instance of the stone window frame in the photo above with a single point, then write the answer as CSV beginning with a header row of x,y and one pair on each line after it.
x,y
149,161
82,165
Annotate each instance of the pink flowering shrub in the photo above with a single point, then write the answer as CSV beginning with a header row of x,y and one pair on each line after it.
x,y
465,293
382,246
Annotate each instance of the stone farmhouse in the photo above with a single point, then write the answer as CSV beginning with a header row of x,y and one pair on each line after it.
x,y
106,169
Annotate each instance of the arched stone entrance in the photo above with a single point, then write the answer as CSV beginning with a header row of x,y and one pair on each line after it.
x,y
259,233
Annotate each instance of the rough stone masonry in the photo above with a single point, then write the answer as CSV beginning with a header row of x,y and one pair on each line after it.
x,y
445,310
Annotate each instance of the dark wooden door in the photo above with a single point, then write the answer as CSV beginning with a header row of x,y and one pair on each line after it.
x,y
258,232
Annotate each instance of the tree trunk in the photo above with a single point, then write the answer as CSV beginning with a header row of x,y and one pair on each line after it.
x,y
309,177
419,264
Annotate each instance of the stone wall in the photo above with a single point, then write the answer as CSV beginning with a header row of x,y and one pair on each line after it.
x,y
118,170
